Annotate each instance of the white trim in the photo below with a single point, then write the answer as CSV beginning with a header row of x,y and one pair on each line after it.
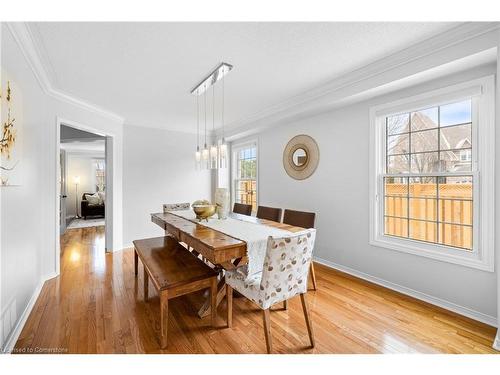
x,y
108,156
496,342
447,305
239,146
16,332
31,50
482,256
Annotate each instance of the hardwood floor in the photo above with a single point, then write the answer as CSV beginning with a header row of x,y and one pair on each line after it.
x,y
96,306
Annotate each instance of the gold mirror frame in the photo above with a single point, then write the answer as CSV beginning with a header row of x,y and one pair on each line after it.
x,y
310,147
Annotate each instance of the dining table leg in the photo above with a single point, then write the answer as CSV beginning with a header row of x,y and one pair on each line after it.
x,y
206,309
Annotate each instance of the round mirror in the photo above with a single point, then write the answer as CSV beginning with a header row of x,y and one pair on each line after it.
x,y
299,157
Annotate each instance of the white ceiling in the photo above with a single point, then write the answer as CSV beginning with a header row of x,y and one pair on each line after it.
x,y
144,71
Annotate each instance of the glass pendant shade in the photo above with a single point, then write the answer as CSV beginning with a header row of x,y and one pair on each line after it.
x,y
213,157
223,154
197,157
205,157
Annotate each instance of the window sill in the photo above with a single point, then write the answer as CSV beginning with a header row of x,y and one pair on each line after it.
x,y
433,251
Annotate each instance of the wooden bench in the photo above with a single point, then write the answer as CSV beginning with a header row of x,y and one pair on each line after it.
x,y
174,271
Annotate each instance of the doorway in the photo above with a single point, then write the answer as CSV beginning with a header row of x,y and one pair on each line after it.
x,y
84,185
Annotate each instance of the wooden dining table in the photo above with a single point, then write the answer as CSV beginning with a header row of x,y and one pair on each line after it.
x,y
220,250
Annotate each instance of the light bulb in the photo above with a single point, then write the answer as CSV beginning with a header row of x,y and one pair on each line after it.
x,y
223,155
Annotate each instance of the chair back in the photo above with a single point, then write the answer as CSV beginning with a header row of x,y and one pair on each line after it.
x,y
269,213
286,267
175,207
243,209
299,218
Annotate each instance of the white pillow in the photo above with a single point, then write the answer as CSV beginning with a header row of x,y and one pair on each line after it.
x,y
102,196
94,199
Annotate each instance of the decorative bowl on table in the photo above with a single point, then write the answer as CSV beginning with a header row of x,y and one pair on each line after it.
x,y
203,209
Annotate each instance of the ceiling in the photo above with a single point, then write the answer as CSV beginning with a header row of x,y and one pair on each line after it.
x,y
92,148
145,71
69,134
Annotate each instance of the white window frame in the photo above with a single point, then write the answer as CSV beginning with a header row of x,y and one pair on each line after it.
x,y
236,147
482,92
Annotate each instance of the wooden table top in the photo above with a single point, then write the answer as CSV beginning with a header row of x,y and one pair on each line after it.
x,y
216,246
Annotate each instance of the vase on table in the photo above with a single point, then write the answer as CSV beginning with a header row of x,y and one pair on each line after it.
x,y
222,202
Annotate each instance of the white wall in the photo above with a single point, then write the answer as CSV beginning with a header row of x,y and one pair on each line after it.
x,y
159,168
338,193
29,218
84,167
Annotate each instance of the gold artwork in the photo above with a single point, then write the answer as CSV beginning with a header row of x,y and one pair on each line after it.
x,y
8,130
10,133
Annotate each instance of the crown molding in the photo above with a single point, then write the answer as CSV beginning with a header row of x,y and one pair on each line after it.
x,y
340,90
30,44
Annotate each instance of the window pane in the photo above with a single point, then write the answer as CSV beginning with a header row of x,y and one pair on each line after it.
x,y
398,144
451,161
423,230
458,187
423,187
396,206
455,235
456,113
424,141
424,119
430,141
456,137
396,186
455,211
396,227
398,164
398,124
423,208
425,163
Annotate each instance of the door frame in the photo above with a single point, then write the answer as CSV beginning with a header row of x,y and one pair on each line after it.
x,y
63,191
109,184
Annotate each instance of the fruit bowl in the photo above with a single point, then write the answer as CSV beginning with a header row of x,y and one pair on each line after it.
x,y
203,209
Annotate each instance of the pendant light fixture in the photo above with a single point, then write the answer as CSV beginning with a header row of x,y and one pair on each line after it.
x,y
216,156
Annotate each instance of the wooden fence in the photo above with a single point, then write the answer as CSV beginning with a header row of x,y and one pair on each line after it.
x,y
418,212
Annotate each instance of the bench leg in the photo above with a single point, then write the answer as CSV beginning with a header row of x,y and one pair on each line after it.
x,y
146,285
213,301
163,318
136,262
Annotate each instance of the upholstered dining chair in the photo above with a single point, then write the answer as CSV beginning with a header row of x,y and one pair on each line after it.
x,y
304,220
269,213
244,209
285,272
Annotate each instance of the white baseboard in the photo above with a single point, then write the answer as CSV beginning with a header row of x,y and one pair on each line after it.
x,y
14,335
465,311
496,343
